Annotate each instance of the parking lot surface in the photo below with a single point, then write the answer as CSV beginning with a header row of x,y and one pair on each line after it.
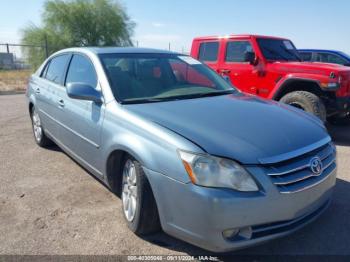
x,y
50,205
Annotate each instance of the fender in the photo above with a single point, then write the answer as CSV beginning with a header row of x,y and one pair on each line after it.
x,y
144,140
317,79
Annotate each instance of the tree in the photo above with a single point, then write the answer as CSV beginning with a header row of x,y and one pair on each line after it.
x,y
76,23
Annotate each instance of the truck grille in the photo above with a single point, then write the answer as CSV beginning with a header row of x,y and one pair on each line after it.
x,y
295,175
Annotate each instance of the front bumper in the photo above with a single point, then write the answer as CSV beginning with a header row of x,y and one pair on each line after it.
x,y
199,215
340,106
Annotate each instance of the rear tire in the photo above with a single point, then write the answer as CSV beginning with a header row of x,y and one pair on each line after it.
x,y
308,102
39,134
138,203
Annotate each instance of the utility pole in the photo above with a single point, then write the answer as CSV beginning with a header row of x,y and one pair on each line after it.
x,y
8,48
169,46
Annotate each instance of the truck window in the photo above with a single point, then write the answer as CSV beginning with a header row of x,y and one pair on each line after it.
x,y
208,51
235,51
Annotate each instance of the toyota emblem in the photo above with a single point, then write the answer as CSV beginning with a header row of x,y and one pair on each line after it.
x,y
316,166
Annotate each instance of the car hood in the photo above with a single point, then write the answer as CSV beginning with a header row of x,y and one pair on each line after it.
x,y
240,127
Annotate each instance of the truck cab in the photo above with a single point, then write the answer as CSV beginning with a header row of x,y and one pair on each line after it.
x,y
270,67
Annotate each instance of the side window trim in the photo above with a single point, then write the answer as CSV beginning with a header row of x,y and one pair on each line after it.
x,y
44,71
236,40
64,71
69,64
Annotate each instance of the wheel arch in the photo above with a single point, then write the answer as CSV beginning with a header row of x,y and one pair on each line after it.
x,y
296,84
30,107
114,167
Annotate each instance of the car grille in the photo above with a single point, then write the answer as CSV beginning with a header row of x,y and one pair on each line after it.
x,y
295,175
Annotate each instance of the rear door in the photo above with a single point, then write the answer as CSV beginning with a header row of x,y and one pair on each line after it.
x,y
47,89
208,52
81,120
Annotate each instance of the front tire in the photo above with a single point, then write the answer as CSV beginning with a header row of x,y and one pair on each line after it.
x,y
138,203
39,135
306,101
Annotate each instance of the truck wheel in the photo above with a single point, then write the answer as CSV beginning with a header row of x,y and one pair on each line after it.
x,y
138,203
306,101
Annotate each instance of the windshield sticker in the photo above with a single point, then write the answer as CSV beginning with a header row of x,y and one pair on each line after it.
x,y
288,45
189,60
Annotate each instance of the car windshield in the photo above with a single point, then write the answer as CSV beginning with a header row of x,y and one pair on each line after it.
x,y
278,49
145,78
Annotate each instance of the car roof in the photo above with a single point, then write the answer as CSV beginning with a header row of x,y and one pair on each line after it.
x,y
237,36
118,50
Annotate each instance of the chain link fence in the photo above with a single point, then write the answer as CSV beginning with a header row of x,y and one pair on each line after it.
x,y
15,65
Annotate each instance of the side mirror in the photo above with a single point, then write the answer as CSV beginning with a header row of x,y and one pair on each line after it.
x,y
250,57
83,91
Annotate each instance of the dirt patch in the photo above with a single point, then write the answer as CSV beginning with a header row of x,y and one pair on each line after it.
x,y
13,81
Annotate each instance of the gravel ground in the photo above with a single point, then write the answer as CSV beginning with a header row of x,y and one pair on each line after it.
x,y
50,205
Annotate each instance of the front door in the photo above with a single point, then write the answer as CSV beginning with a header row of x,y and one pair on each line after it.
x,y
240,72
80,131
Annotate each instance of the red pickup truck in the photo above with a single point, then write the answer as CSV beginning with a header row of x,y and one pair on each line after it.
x,y
271,67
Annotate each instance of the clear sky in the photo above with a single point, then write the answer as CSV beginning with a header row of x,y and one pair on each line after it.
x,y
308,23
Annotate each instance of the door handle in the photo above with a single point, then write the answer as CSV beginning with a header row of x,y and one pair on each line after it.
x,y
61,103
225,71
37,90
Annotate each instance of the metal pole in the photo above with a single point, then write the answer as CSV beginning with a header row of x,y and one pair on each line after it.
x,y
169,46
8,48
46,47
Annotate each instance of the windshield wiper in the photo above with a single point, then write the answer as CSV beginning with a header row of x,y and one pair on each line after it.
x,y
174,98
226,92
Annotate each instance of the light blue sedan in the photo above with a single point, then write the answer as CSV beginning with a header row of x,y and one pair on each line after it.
x,y
185,150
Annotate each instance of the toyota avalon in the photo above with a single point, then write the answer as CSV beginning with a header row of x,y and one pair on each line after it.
x,y
186,151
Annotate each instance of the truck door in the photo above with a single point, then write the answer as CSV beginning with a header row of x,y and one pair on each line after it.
x,y
240,72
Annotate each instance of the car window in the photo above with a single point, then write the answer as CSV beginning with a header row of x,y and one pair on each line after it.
x,y
81,70
44,71
56,69
335,59
330,58
140,78
209,51
306,56
235,51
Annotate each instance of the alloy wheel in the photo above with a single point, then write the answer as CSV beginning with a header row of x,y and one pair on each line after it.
x,y
129,195
37,128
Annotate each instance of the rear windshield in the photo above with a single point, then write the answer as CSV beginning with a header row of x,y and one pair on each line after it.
x,y
141,78
278,49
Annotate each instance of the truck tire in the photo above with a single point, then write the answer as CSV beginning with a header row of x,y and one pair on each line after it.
x,y
138,203
306,101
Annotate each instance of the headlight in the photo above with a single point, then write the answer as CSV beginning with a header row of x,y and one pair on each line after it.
x,y
209,171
